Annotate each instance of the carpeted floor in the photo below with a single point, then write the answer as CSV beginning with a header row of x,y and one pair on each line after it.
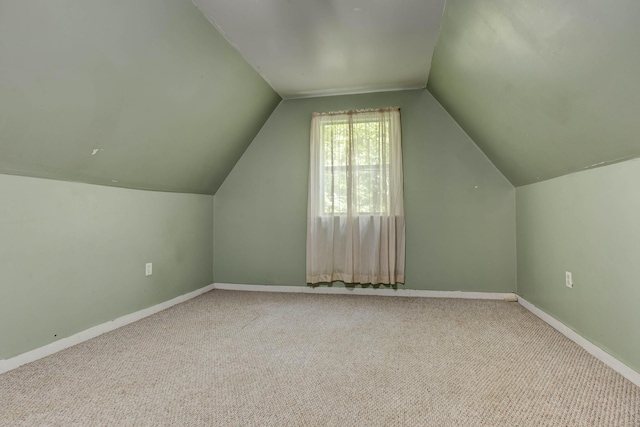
x,y
266,359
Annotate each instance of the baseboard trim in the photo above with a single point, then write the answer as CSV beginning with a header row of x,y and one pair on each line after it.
x,y
87,334
615,364
365,291
49,349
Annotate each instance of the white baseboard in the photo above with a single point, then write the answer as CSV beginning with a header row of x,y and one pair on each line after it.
x,y
54,347
591,348
87,334
366,291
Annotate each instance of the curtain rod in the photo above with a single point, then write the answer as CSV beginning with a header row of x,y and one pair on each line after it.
x,y
366,110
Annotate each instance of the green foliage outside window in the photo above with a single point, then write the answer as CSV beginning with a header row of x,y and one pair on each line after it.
x,y
356,165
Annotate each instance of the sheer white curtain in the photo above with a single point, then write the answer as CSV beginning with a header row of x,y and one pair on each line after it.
x,y
355,216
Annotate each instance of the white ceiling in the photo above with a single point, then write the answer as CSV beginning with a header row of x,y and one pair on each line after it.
x,y
327,47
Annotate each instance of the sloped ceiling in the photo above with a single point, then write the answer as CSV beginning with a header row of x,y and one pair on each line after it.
x,y
148,94
544,87
328,47
142,94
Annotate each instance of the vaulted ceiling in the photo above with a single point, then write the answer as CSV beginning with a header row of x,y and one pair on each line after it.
x,y
141,94
328,47
545,87
148,94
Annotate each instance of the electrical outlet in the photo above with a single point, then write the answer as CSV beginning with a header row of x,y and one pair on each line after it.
x,y
148,269
568,279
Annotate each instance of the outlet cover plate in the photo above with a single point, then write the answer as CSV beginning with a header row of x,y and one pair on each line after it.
x,y
568,279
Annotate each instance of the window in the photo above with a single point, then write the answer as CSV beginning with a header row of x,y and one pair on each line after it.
x,y
359,147
355,213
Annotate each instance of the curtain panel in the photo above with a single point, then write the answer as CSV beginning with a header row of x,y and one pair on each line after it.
x,y
355,214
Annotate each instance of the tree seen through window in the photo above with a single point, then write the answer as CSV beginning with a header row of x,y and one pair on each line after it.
x,y
362,145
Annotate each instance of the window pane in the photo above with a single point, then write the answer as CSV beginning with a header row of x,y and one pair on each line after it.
x,y
356,169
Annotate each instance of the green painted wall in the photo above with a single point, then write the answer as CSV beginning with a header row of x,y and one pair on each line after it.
x,y
72,255
544,88
459,237
586,223
151,83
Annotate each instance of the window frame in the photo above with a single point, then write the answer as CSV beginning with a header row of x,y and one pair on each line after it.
x,y
351,121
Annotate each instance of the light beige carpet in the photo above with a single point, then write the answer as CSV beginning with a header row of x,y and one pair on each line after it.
x,y
261,359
